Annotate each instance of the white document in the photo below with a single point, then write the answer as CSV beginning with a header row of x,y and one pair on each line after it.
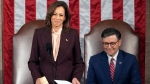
x,y
62,82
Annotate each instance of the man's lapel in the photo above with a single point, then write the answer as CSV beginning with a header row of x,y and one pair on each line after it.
x,y
105,66
119,65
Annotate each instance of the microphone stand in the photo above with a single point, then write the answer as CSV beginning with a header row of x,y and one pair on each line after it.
x,y
51,64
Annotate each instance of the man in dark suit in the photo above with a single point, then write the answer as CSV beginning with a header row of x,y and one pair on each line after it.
x,y
113,66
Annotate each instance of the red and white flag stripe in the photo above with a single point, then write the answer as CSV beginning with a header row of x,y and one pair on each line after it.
x,y
85,14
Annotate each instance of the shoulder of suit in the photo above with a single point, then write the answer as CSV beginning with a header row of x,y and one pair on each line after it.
x,y
98,55
39,29
126,54
73,30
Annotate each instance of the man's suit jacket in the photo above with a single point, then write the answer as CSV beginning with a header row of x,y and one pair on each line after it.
x,y
126,71
69,62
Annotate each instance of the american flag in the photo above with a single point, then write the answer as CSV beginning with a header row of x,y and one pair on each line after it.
x,y
85,14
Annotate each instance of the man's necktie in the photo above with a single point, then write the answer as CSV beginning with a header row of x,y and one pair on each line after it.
x,y
112,68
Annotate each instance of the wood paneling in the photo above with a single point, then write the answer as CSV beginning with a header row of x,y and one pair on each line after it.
x,y
147,57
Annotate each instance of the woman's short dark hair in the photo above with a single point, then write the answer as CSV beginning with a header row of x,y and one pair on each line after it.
x,y
50,13
111,31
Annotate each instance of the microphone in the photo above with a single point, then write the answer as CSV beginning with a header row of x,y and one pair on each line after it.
x,y
49,50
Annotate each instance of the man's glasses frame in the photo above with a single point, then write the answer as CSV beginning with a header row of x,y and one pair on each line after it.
x,y
111,43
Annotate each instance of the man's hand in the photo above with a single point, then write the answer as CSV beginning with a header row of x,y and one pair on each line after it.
x,y
75,81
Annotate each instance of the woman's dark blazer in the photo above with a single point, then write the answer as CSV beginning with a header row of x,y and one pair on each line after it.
x,y
69,63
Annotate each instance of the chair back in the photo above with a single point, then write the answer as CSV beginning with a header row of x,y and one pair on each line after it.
x,y
22,42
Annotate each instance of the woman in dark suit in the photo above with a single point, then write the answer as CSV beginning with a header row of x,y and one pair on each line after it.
x,y
55,52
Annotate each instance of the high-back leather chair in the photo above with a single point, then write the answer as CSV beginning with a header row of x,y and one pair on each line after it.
x,y
22,42
93,43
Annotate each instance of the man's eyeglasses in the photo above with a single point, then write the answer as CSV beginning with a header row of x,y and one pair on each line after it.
x,y
111,44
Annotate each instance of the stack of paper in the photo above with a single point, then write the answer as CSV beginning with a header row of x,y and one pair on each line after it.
x,y
62,82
